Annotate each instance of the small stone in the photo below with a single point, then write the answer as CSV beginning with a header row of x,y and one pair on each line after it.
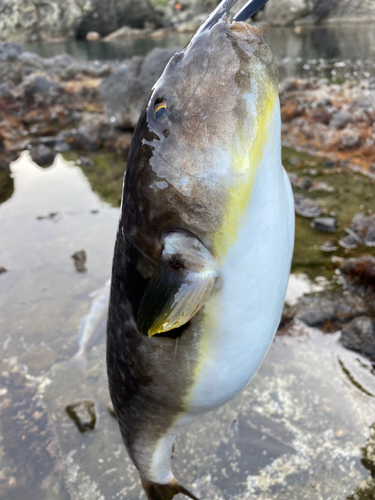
x,y
348,242
79,261
359,336
303,183
341,433
84,161
313,172
329,164
83,414
328,246
292,178
316,311
42,155
325,224
306,207
371,83
3,270
92,35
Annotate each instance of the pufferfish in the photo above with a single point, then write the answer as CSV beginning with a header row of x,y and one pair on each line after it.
x,y
204,244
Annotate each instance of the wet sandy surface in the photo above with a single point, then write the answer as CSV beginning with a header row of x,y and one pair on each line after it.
x,y
296,432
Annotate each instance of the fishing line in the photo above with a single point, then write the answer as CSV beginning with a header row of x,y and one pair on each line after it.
x,y
249,10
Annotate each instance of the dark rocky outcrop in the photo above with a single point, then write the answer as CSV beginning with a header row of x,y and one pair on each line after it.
x,y
24,20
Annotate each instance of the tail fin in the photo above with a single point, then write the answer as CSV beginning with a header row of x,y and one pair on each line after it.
x,y
155,491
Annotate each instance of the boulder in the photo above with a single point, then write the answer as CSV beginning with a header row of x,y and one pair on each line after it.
x,y
124,93
22,20
359,335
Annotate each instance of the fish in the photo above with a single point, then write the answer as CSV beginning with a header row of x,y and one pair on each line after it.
x,y
204,244
92,326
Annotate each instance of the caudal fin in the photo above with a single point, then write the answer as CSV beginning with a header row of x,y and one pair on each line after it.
x,y
155,491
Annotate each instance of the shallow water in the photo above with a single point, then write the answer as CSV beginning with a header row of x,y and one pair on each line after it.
x,y
295,433
336,52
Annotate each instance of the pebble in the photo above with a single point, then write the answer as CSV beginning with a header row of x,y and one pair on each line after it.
x,y
83,414
306,207
359,335
79,259
84,161
328,246
325,224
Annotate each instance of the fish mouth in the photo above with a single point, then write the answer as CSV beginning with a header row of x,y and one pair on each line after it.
x,y
247,11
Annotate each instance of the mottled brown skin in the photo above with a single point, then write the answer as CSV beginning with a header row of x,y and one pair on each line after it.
x,y
149,377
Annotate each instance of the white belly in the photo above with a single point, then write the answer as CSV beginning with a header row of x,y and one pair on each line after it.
x,y
241,319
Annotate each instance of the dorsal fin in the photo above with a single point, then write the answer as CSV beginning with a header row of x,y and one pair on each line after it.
x,y
156,491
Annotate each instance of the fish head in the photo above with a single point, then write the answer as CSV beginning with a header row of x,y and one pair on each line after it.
x,y
201,137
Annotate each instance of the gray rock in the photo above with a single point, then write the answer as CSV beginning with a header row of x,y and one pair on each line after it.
x,y
303,183
83,414
5,90
329,164
348,242
350,141
79,259
306,207
316,311
359,335
124,93
325,224
31,21
84,161
341,119
328,246
360,272
361,231
42,155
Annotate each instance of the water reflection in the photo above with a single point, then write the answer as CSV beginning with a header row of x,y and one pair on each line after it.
x,y
301,422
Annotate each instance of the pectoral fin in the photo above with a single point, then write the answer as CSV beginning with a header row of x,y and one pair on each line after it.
x,y
181,284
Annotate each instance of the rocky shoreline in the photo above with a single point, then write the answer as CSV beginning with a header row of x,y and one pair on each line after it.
x,y
24,21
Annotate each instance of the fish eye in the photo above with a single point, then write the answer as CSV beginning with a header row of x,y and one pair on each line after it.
x,y
160,110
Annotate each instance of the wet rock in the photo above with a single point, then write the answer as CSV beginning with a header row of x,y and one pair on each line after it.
x,y
90,132
321,186
348,242
359,336
123,94
3,270
83,414
325,224
360,272
79,259
325,311
329,164
361,230
84,161
306,207
42,155
316,311
303,183
328,246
